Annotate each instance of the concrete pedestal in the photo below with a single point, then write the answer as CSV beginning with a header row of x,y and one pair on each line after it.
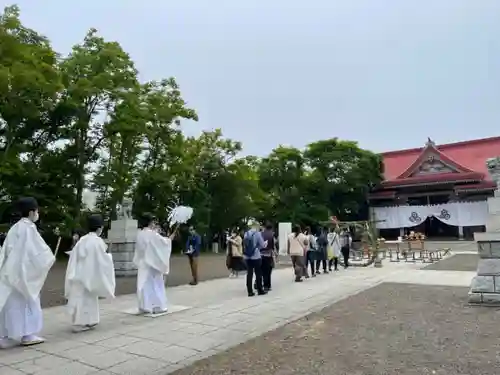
x,y
121,242
485,287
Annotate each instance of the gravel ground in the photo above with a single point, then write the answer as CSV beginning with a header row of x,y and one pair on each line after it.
x,y
210,267
458,262
391,329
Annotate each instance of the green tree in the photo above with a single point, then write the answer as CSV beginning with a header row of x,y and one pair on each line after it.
x,y
162,159
342,174
205,160
29,87
98,77
282,179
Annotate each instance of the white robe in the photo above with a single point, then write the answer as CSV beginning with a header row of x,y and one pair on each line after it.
x,y
90,274
25,260
152,258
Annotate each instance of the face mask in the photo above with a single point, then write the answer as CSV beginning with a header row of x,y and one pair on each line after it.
x,y
98,232
35,217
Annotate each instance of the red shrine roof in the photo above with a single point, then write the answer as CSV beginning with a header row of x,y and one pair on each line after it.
x,y
454,162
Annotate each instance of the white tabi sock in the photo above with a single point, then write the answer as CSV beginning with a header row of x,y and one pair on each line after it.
x,y
31,340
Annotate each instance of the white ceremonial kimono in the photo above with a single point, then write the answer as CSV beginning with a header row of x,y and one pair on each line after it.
x,y
90,274
152,258
25,260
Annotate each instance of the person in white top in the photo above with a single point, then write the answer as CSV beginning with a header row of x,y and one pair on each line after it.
x,y
297,246
90,275
25,261
311,252
152,258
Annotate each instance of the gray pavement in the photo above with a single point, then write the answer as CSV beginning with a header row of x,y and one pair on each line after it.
x,y
204,320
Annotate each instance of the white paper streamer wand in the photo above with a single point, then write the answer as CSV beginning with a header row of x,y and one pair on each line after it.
x,y
180,215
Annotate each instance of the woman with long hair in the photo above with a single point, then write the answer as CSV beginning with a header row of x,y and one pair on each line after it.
x,y
297,246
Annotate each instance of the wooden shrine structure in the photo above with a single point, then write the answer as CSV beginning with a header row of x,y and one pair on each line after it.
x,y
432,178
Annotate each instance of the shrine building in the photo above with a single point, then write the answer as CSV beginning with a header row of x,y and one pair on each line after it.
x,y
438,190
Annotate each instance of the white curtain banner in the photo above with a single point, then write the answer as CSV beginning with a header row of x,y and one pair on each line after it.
x,y
463,214
473,213
447,213
411,216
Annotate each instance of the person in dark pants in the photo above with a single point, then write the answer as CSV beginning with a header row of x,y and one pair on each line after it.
x,y
311,252
345,249
322,245
252,243
193,248
267,254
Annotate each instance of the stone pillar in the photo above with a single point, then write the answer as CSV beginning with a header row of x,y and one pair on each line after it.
x,y
460,233
121,241
215,247
284,229
485,287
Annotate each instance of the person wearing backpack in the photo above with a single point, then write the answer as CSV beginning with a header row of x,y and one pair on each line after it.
x,y
252,244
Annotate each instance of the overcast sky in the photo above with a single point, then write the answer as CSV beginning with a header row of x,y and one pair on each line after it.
x,y
387,73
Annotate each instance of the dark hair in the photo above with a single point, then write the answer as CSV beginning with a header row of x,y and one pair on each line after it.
x,y
308,230
269,226
296,230
95,222
26,205
146,219
79,232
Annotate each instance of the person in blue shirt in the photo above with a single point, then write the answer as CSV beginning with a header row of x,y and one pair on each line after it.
x,y
193,247
254,242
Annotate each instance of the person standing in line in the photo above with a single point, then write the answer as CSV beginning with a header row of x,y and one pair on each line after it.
x,y
193,248
252,244
311,252
346,243
235,253
267,254
334,242
296,248
322,252
25,261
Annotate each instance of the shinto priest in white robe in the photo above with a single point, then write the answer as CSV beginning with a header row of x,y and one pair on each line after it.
x,y
90,274
152,258
25,260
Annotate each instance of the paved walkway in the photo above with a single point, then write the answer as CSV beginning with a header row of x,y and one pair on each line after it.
x,y
205,320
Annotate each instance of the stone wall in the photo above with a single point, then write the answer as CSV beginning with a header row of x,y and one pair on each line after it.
x,y
485,287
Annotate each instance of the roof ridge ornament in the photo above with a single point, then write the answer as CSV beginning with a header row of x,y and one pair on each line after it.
x,y
430,142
